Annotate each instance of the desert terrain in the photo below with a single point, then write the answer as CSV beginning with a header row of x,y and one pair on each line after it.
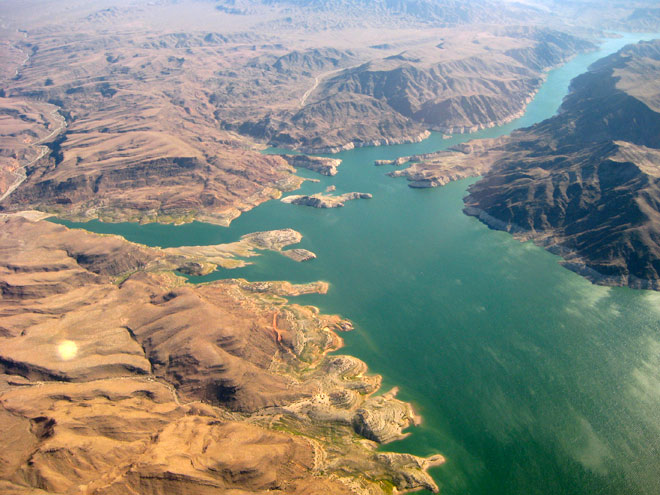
x,y
118,376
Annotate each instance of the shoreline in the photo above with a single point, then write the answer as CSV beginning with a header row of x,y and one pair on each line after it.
x,y
569,258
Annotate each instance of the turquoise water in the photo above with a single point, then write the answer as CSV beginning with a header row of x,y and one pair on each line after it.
x,y
530,379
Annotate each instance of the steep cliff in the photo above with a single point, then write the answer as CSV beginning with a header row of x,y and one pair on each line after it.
x,y
586,183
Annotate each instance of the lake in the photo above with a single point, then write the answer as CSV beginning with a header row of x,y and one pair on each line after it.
x,y
530,379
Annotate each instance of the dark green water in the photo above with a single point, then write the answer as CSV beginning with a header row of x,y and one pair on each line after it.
x,y
530,379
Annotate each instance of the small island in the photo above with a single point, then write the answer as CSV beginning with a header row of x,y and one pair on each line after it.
x,y
325,200
299,255
399,161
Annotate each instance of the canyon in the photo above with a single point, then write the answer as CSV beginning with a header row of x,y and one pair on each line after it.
x,y
120,375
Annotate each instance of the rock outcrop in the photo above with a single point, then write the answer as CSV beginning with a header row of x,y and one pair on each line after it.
x,y
436,169
377,420
322,165
397,161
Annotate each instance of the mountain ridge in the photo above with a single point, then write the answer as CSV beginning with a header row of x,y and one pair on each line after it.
x,y
586,183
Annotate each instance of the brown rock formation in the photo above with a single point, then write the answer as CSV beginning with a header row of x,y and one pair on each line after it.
x,y
299,254
200,260
459,162
324,166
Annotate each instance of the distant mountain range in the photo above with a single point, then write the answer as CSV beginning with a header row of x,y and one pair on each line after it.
x,y
444,12
640,15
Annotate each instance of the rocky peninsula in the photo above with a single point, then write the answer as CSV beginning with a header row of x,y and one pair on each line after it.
x,y
322,165
110,357
436,169
201,260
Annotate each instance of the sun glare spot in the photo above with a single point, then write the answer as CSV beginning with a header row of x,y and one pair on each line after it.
x,y
67,350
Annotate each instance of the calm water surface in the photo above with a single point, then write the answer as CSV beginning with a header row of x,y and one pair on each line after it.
x,y
530,379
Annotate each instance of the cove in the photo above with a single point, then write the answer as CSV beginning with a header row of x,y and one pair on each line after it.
x,y
530,379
